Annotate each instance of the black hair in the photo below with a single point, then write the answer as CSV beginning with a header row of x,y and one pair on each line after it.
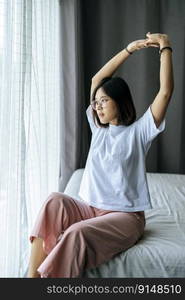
x,y
118,90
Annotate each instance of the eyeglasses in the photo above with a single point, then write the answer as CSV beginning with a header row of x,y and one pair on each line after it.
x,y
102,102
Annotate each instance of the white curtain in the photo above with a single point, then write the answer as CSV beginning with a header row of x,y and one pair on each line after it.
x,y
29,122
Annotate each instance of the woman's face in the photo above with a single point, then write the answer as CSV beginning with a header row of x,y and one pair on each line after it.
x,y
107,111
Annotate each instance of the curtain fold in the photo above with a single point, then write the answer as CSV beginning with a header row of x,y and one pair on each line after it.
x,y
74,135
29,122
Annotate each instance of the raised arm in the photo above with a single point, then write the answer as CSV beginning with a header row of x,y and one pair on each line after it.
x,y
162,99
112,65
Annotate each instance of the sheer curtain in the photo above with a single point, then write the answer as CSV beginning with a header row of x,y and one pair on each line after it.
x,y
29,122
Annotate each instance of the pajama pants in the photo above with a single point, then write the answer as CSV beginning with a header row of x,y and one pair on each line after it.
x,y
77,236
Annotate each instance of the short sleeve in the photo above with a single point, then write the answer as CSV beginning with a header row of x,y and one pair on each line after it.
x,y
89,114
147,127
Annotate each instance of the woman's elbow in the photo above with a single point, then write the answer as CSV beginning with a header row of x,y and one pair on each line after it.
x,y
168,92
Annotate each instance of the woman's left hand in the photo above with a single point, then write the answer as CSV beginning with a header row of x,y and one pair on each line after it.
x,y
159,39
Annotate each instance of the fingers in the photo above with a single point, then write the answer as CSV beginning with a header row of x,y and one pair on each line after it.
x,y
148,34
153,39
153,45
147,43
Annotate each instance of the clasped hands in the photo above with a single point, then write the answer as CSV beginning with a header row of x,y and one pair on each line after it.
x,y
158,40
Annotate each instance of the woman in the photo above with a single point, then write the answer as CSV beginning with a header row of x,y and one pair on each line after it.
x,y
71,236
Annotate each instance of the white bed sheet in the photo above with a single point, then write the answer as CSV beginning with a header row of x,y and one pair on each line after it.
x,y
161,251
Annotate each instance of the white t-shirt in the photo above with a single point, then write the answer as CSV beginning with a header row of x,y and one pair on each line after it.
x,y
115,175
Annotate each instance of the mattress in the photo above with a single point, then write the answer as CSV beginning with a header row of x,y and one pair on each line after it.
x,y
161,251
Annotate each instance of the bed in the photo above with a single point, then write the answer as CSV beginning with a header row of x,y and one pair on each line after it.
x,y
161,251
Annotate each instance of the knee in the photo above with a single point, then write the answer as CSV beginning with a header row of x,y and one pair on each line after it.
x,y
55,200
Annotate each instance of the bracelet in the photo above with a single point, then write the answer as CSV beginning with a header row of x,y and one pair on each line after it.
x,y
161,50
128,51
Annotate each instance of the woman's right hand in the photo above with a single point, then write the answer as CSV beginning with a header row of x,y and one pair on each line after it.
x,y
140,44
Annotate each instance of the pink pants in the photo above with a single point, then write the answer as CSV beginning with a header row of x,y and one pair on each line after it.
x,y
77,236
